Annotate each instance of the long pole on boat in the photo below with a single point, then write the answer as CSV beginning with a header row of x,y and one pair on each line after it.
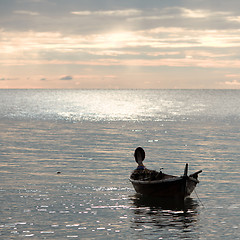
x,y
186,170
185,181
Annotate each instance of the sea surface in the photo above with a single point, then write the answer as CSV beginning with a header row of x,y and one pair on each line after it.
x,y
66,157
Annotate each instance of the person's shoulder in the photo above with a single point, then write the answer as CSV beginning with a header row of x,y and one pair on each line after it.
x,y
140,168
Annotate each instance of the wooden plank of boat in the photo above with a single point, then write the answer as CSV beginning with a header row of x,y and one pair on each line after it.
x,y
178,187
172,187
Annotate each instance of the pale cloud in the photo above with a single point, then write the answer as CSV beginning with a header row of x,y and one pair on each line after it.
x,y
112,13
26,12
233,83
234,19
82,13
113,52
232,75
168,53
195,13
202,13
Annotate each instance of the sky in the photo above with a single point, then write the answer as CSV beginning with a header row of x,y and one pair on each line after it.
x,y
120,44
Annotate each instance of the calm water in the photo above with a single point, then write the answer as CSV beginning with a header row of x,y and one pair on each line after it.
x,y
89,136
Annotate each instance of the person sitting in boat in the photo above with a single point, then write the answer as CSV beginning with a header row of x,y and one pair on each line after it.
x,y
139,155
141,172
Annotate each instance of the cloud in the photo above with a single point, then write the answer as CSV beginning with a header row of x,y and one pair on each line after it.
x,y
67,78
23,12
188,13
233,83
82,13
7,79
232,75
111,13
233,19
202,13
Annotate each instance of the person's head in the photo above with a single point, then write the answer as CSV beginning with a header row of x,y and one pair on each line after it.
x,y
139,155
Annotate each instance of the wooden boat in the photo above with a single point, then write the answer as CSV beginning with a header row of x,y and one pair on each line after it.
x,y
158,184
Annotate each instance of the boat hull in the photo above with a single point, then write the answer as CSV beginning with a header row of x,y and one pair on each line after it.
x,y
177,187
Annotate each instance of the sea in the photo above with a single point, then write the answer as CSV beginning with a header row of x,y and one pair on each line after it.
x,y
66,157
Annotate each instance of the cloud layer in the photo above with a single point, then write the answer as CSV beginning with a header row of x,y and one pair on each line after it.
x,y
119,44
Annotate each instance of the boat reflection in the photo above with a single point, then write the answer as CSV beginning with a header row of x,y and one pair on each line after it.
x,y
165,203
170,216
